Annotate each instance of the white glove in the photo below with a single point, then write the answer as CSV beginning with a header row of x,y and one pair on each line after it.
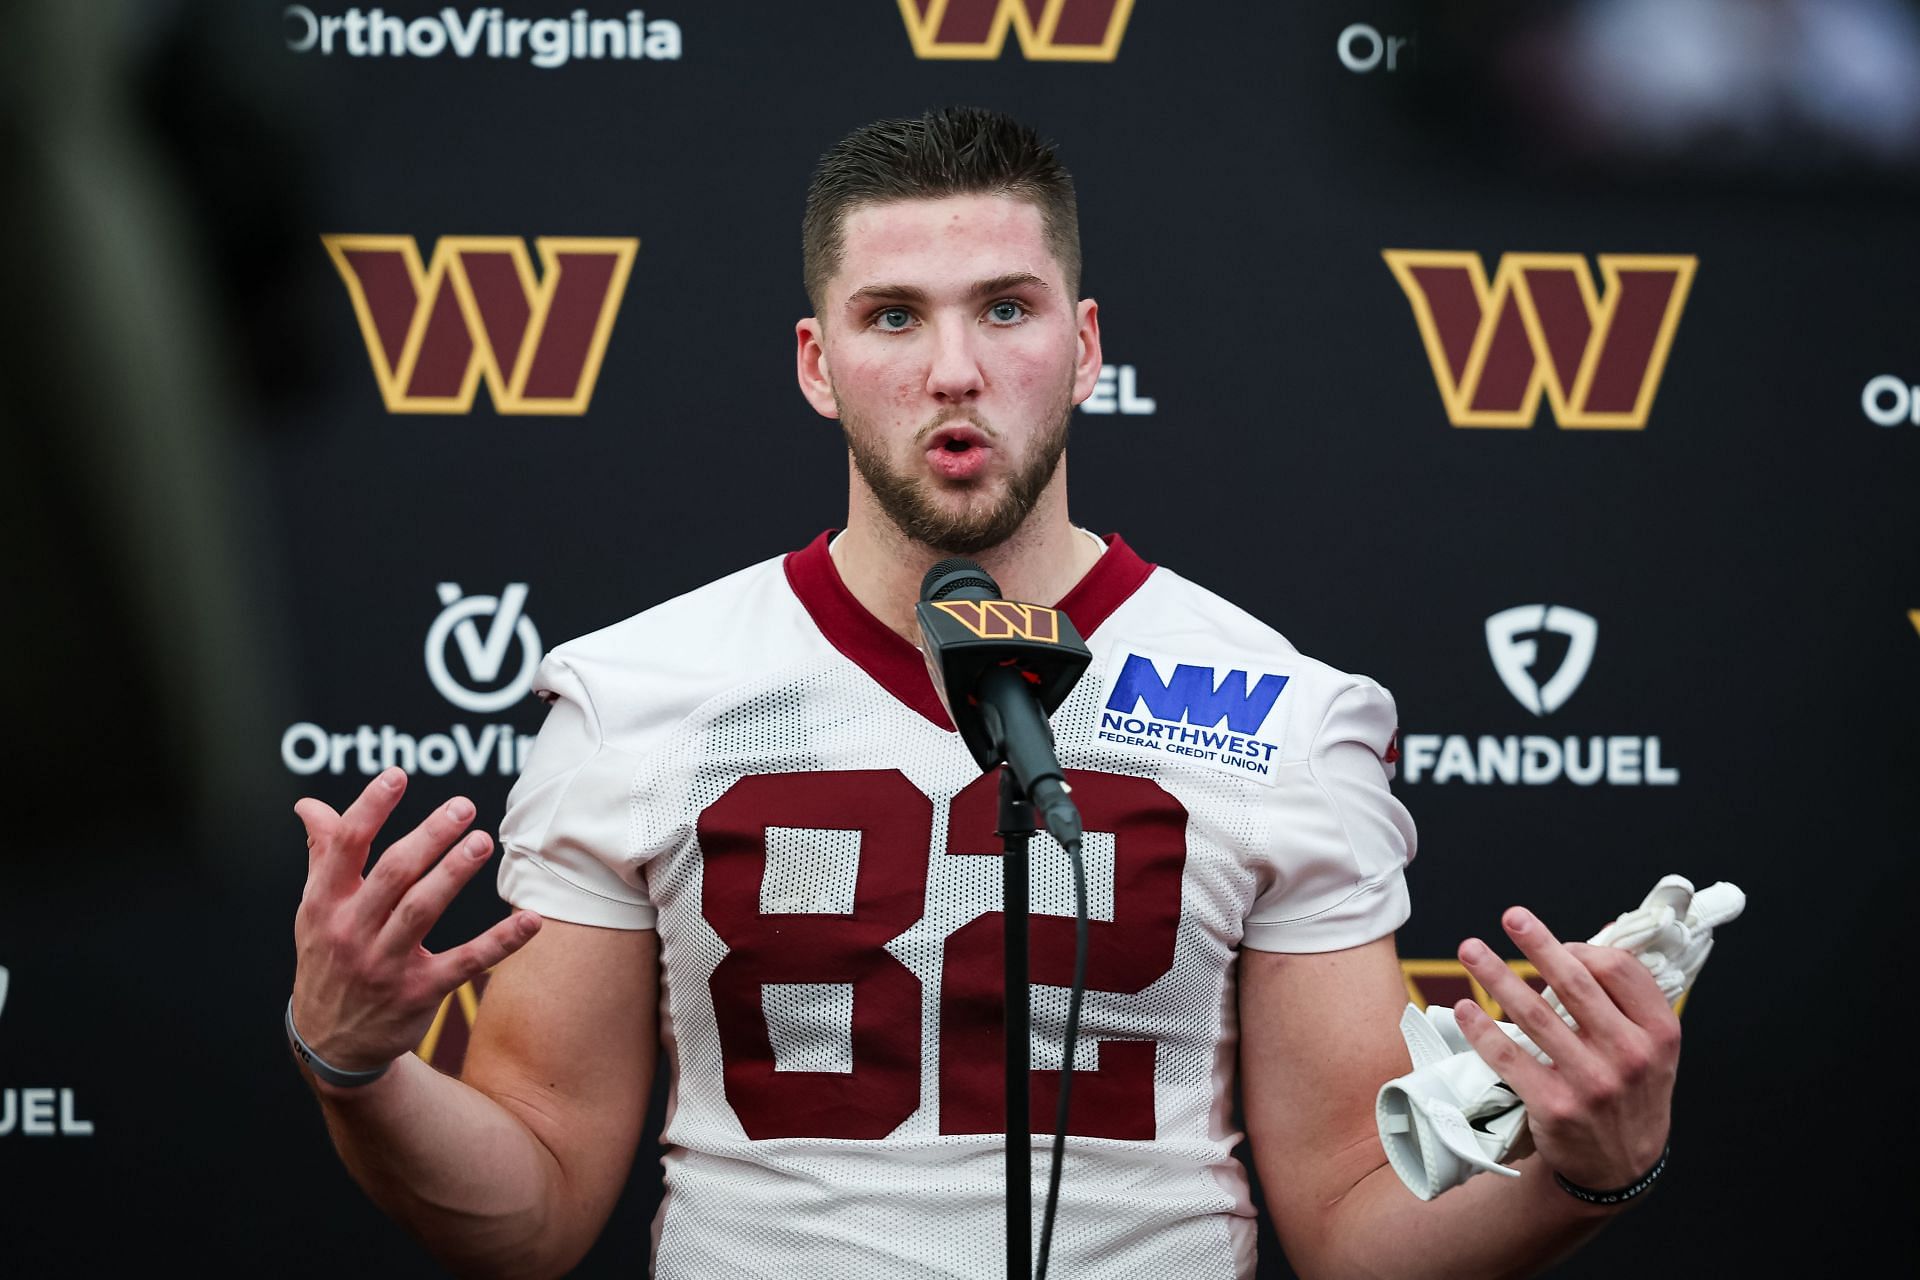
x,y
1671,931
1452,1117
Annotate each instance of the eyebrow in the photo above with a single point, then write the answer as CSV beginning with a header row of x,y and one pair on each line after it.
x,y
909,293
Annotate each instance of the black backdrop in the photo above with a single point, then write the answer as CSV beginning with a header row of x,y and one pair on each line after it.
x,y
230,551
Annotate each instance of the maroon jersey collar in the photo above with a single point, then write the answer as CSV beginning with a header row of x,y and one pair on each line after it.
x,y
895,663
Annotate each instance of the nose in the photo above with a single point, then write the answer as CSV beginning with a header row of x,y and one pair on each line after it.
x,y
954,376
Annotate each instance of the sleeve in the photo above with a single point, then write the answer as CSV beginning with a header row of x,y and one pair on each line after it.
x,y
564,839
1340,839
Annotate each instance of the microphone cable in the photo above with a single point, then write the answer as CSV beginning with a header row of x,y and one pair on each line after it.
x,y
1074,994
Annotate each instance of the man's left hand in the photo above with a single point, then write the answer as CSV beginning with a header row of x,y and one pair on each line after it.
x,y
1599,1113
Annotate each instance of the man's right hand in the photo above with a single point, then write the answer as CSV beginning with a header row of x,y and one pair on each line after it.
x,y
365,989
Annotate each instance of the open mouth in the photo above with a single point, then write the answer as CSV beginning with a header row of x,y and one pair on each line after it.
x,y
958,438
958,452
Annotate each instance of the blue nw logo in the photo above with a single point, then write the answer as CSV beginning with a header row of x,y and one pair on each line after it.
x,y
1192,696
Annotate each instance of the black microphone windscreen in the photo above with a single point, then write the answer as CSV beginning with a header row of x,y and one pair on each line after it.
x,y
956,575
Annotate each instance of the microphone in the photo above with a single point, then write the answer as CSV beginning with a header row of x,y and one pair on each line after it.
x,y
1000,668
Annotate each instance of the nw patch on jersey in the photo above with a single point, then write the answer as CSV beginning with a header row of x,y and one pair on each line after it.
x,y
1213,717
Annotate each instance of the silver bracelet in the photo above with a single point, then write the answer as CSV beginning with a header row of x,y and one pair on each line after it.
x,y
320,1067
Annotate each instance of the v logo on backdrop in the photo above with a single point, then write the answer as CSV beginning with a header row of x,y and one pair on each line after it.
x,y
484,656
476,310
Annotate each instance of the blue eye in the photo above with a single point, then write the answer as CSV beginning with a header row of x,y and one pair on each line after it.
x,y
894,318
1006,312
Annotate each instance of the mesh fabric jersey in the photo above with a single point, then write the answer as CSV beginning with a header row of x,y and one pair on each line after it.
x,y
761,771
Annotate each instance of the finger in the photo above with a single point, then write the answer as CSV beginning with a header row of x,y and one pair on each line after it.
x,y
1521,1004
1573,982
422,905
467,962
320,820
409,858
369,811
1627,983
1528,1076
334,862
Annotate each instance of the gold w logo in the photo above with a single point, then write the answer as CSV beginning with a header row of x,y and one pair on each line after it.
x,y
1447,981
445,1044
1004,619
1543,325
1048,30
434,330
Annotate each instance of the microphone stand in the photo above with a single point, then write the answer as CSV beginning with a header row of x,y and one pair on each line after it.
x,y
1015,827
1000,667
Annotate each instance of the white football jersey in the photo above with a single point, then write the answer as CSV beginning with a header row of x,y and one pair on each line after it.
x,y
762,771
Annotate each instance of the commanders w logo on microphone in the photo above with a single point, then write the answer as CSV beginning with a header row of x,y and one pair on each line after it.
x,y
434,330
1543,325
1004,619
1048,30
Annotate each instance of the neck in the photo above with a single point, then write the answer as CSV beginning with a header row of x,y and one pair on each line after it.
x,y
883,568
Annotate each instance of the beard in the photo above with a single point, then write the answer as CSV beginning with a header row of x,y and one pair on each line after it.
x,y
913,502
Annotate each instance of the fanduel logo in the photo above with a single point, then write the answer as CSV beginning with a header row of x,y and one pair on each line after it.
x,y
1184,712
434,329
307,748
38,1113
1512,656
545,42
1048,30
1542,325
1535,759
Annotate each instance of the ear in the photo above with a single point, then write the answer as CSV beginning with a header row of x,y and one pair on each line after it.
x,y
1086,369
810,365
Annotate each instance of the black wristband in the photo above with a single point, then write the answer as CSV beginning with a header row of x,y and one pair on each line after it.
x,y
1620,1195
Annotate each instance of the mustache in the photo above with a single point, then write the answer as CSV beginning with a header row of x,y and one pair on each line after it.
x,y
947,418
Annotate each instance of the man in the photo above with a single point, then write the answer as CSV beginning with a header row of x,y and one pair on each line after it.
x,y
748,812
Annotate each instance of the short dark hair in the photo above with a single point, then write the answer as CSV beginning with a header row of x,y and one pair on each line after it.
x,y
944,152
